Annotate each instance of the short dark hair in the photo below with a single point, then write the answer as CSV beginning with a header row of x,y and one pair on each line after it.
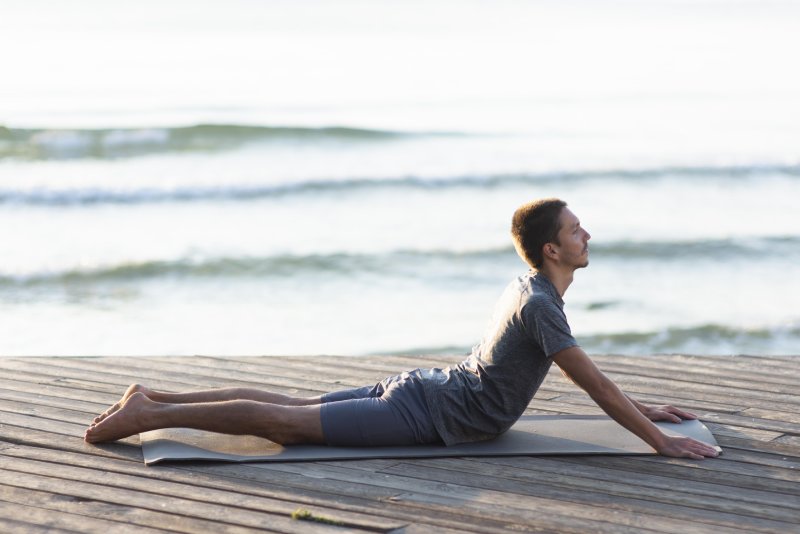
x,y
535,224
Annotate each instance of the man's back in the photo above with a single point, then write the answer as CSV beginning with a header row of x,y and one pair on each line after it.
x,y
484,395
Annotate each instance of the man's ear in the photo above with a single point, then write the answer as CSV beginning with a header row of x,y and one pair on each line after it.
x,y
550,251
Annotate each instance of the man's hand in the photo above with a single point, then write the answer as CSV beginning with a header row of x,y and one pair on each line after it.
x,y
681,447
666,413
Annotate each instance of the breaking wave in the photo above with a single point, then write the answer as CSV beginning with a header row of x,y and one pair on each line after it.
x,y
396,263
124,142
99,195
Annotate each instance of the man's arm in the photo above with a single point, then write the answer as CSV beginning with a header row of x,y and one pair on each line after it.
x,y
578,366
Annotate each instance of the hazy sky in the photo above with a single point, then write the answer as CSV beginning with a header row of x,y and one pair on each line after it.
x,y
73,57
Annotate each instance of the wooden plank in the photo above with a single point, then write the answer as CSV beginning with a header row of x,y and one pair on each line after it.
x,y
471,515
176,376
660,486
109,381
733,462
744,358
14,423
294,366
243,482
36,378
329,375
735,361
584,518
368,489
679,394
349,371
48,384
663,511
22,430
470,506
787,453
395,362
739,475
601,514
15,526
750,422
791,440
705,367
25,382
47,510
386,517
788,387
194,486
95,486
22,395
43,413
784,416
306,367
781,373
686,387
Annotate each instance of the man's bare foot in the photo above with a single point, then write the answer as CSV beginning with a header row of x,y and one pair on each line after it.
x,y
126,421
133,388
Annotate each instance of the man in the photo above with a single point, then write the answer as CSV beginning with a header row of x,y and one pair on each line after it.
x,y
477,399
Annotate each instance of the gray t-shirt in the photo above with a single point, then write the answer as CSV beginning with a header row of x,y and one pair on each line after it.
x,y
484,395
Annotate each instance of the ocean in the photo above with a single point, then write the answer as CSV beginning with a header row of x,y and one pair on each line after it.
x,y
279,178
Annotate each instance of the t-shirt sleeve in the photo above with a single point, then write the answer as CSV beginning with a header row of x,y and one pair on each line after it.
x,y
546,325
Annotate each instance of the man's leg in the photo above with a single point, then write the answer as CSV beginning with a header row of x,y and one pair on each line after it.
x,y
281,424
213,395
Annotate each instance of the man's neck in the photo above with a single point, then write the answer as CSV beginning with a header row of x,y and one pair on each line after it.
x,y
560,279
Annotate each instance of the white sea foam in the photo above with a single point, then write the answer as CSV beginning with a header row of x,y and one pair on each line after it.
x,y
61,141
150,136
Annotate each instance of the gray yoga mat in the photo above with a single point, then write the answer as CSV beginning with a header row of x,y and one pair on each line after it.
x,y
531,435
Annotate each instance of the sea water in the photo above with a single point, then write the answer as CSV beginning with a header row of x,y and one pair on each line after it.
x,y
338,177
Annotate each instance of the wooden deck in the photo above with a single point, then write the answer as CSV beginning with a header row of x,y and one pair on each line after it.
x,y
50,480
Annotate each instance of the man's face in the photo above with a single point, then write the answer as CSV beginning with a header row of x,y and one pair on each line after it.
x,y
574,247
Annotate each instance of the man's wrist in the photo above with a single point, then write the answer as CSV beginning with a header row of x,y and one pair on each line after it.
x,y
659,439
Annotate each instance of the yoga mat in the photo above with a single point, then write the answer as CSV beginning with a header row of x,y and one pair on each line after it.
x,y
531,435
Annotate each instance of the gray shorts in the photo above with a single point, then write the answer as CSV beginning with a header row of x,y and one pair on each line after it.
x,y
392,412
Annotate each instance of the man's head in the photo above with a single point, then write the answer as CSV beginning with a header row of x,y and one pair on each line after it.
x,y
546,229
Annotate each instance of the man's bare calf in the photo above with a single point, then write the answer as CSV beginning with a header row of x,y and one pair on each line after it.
x,y
279,418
